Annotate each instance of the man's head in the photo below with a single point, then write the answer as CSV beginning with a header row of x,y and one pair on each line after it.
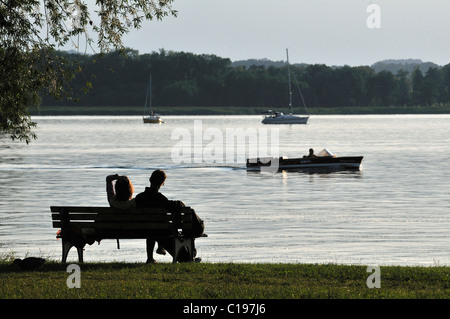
x,y
157,179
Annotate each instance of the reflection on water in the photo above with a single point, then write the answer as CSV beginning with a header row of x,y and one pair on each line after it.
x,y
395,210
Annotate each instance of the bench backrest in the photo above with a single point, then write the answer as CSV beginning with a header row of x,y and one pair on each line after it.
x,y
114,223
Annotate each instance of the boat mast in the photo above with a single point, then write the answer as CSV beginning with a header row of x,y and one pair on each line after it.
x,y
289,80
149,95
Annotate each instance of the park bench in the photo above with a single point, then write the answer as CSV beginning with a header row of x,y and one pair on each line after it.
x,y
85,225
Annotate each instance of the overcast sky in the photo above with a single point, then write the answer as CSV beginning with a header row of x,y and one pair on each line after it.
x,y
332,32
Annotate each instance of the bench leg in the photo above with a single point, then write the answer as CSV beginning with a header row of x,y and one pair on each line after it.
x,y
80,254
66,246
65,250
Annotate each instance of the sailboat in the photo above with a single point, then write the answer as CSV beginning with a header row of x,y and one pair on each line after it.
x,y
152,117
274,117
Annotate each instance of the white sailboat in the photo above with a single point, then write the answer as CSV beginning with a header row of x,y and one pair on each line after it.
x,y
152,117
274,117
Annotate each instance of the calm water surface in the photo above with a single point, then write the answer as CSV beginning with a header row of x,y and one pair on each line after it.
x,y
395,210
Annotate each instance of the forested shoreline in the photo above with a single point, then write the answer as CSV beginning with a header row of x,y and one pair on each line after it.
x,y
185,79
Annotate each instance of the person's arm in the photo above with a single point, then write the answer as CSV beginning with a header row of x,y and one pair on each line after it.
x,y
170,204
109,185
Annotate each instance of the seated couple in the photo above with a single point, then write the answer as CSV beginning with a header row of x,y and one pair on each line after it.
x,y
120,195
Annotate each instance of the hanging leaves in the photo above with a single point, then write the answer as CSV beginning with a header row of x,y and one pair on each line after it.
x,y
31,30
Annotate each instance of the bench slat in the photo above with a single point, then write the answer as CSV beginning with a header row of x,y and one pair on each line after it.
x,y
75,216
102,209
134,217
140,225
142,217
135,234
118,226
115,217
81,209
74,224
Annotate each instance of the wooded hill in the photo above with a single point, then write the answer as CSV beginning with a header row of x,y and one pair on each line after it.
x,y
186,79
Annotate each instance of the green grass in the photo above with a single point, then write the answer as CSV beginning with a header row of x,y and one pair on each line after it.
x,y
223,281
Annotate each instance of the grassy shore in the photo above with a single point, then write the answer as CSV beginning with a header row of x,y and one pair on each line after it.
x,y
213,110
223,281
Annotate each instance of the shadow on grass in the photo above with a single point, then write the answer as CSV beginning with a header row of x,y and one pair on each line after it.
x,y
51,266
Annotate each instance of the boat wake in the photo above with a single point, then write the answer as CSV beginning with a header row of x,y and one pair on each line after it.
x,y
117,167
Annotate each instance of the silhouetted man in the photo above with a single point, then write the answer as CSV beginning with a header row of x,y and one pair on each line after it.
x,y
151,197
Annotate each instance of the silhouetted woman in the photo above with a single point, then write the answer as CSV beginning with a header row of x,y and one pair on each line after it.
x,y
120,195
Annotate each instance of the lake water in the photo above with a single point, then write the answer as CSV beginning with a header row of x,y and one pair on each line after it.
x,y
394,211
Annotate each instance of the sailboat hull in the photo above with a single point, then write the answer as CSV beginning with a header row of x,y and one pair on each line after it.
x,y
152,119
285,119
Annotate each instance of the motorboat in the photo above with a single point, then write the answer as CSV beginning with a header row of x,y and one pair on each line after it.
x,y
324,159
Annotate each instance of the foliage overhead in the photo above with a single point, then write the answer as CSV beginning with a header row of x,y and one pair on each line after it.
x,y
31,30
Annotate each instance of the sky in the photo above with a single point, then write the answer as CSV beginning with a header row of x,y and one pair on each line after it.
x,y
331,32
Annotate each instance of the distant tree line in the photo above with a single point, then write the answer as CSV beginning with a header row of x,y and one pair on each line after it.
x,y
186,79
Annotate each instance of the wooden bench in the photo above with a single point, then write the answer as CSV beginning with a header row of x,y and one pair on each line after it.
x,y
85,225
